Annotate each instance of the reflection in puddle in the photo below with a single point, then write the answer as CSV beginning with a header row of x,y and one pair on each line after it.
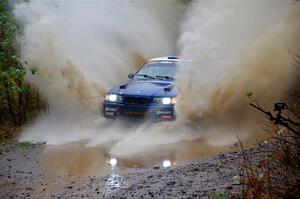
x,y
167,163
78,160
113,162
113,181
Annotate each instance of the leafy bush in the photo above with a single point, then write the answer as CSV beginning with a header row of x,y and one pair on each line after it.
x,y
17,98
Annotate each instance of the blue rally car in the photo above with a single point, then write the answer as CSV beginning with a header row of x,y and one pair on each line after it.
x,y
149,94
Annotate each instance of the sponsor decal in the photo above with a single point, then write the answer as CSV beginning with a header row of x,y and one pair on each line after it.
x,y
166,116
159,112
109,113
110,109
134,113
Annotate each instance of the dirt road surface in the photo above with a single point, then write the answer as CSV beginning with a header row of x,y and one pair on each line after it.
x,y
23,176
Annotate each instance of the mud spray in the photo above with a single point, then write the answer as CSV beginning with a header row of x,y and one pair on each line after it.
x,y
236,47
82,49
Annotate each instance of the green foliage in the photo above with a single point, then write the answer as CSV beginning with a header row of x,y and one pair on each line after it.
x,y
2,145
249,94
33,70
17,99
219,195
24,144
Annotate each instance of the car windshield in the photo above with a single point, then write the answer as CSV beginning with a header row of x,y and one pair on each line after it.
x,y
165,70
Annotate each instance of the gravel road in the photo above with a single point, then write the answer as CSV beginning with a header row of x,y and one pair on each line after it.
x,y
22,176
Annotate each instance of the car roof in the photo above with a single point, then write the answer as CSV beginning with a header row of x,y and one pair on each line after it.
x,y
169,58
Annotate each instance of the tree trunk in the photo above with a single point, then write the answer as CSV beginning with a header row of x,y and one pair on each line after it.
x,y
10,107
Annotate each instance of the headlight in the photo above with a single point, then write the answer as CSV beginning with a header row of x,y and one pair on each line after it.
x,y
113,98
165,100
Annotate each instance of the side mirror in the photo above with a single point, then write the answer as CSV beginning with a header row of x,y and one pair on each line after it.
x,y
131,75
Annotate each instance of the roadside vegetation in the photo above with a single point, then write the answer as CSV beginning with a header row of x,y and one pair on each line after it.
x,y
19,102
277,175
24,144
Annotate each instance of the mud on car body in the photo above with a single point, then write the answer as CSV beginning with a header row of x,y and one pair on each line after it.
x,y
149,94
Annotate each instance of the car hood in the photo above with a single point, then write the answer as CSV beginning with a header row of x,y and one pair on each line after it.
x,y
146,88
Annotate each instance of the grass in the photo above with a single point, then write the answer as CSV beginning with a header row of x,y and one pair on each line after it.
x,y
219,195
24,144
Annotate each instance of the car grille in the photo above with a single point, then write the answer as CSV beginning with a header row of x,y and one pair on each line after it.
x,y
136,100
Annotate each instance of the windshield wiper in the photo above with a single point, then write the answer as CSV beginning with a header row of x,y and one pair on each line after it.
x,y
146,76
164,77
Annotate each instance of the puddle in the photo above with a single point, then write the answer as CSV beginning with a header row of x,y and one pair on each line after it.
x,y
76,159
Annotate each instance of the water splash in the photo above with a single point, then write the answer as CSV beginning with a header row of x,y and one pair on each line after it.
x,y
82,49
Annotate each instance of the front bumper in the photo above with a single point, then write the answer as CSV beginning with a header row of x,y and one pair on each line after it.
x,y
138,112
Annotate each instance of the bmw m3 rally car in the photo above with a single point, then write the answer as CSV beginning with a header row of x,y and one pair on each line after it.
x,y
149,93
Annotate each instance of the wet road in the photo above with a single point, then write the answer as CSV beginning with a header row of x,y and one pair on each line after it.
x,y
76,171
76,159
27,173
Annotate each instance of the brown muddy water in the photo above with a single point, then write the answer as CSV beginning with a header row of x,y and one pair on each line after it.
x,y
77,160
